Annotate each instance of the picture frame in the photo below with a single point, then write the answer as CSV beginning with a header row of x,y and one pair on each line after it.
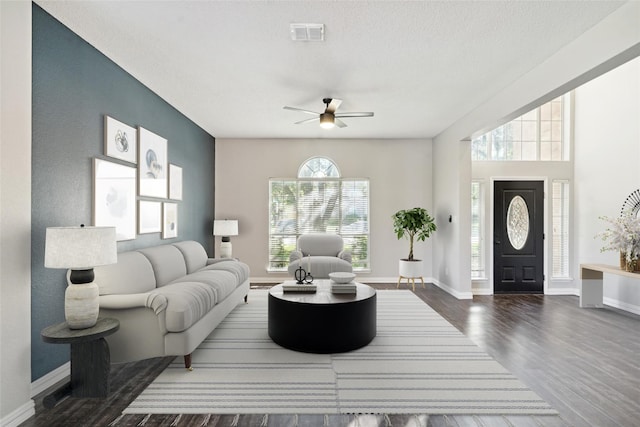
x,y
120,140
169,220
152,164
149,217
114,197
175,182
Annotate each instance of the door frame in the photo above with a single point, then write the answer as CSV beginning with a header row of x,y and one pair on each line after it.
x,y
545,226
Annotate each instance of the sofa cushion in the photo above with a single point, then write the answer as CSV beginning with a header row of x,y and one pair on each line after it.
x,y
167,261
239,269
132,274
223,283
187,302
320,244
194,255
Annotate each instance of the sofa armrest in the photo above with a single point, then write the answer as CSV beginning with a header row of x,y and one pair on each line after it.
x,y
345,255
156,302
295,255
217,260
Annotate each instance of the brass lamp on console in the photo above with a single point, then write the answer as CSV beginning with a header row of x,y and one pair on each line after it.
x,y
80,249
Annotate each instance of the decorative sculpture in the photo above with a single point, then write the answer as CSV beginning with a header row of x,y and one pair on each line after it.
x,y
302,276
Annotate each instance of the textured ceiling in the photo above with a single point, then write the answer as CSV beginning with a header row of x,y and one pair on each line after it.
x,y
230,66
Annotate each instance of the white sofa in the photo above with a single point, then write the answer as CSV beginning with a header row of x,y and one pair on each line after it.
x,y
168,299
320,253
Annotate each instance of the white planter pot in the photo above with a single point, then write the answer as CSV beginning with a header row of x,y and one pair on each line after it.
x,y
411,268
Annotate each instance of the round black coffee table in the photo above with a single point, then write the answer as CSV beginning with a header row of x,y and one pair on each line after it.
x,y
322,322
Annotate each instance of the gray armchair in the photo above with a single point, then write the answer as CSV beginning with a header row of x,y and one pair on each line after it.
x,y
324,253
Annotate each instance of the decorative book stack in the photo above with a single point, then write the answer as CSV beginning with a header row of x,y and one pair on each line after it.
x,y
343,288
294,287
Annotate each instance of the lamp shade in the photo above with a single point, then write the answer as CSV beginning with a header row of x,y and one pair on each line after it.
x,y
80,248
225,227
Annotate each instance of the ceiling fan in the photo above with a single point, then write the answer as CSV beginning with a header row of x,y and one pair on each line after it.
x,y
329,118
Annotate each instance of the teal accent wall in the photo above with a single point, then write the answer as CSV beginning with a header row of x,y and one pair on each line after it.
x,y
74,86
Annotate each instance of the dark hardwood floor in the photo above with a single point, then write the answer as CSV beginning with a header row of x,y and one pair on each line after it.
x,y
584,362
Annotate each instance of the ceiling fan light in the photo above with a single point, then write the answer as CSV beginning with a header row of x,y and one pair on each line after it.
x,y
327,120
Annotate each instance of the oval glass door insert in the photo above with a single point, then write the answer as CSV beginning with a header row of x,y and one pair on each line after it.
x,y
518,222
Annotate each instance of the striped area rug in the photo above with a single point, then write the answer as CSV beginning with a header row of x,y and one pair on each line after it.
x,y
417,364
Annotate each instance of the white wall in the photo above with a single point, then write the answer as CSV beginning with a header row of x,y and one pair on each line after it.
x,y
610,43
15,204
400,174
607,156
452,191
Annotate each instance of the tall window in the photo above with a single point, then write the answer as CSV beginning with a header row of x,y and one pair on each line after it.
x,y
560,237
318,201
541,134
477,230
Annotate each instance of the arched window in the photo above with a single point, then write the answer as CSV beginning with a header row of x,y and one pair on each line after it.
x,y
318,201
318,167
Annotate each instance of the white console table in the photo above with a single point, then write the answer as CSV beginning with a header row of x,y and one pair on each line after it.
x,y
591,276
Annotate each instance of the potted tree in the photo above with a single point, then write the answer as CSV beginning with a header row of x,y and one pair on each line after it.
x,y
413,224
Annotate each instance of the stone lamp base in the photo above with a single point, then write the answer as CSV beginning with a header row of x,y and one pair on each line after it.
x,y
81,305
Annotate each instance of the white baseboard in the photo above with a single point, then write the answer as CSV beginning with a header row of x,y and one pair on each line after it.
x,y
20,415
268,280
562,291
50,379
363,279
482,291
450,290
622,305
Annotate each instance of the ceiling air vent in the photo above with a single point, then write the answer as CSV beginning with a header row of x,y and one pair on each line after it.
x,y
307,32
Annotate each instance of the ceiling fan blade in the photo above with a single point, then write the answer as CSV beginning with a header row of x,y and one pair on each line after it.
x,y
339,123
301,110
363,114
315,119
333,105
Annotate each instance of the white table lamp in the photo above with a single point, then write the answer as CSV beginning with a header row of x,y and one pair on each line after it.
x,y
80,249
225,228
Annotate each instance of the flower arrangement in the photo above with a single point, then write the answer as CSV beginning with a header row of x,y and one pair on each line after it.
x,y
623,235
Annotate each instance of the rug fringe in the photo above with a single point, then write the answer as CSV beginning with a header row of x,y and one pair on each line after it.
x,y
176,421
326,420
144,420
387,420
114,422
235,421
265,420
205,422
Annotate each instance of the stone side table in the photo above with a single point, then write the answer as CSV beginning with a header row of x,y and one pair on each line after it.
x,y
90,359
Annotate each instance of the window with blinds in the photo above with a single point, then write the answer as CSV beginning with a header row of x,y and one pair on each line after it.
x,y
560,237
477,230
317,203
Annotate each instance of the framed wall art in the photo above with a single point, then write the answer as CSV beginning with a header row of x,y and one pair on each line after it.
x,y
149,217
175,182
152,164
169,220
120,140
114,197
